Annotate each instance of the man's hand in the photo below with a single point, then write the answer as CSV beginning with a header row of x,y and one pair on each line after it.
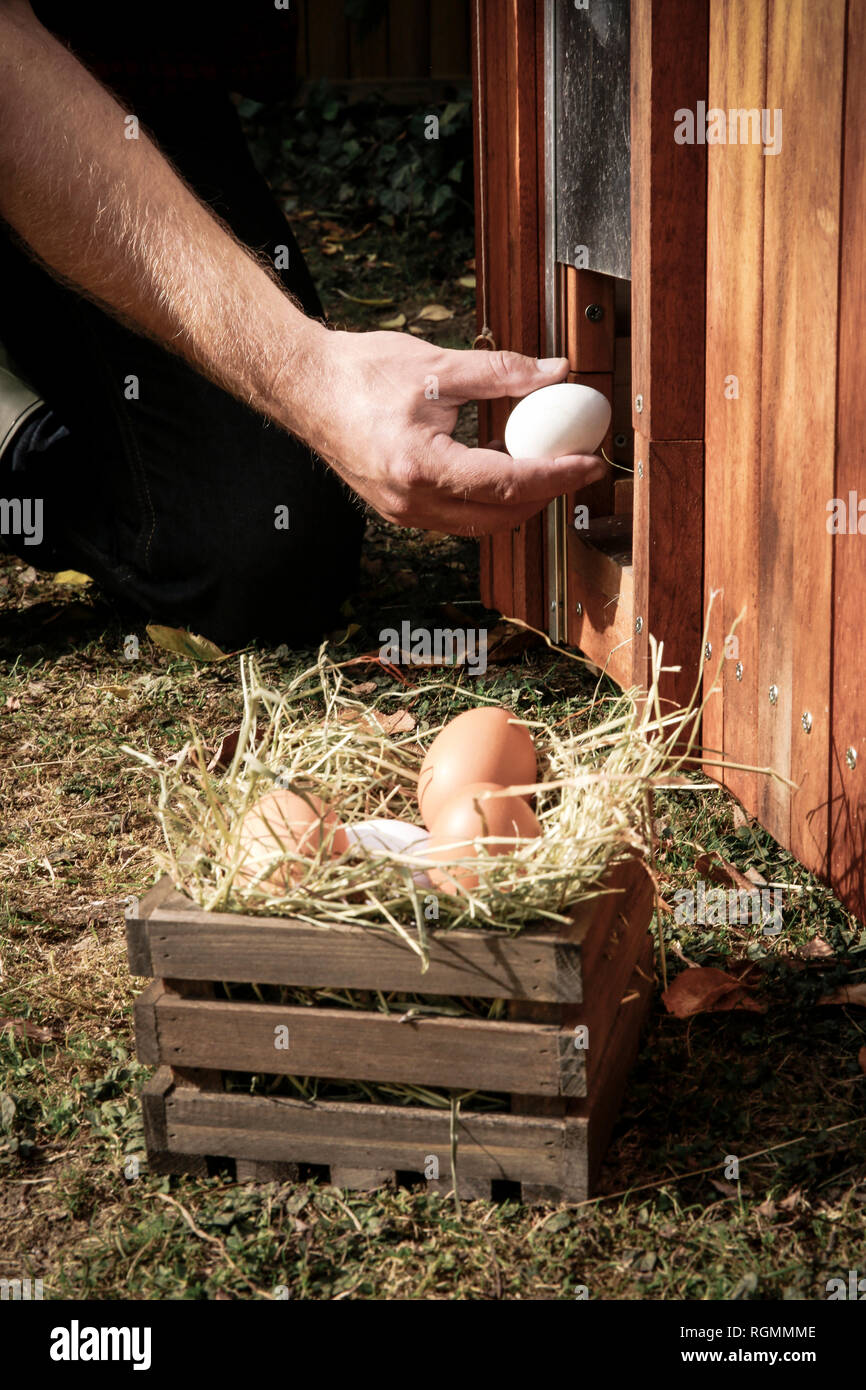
x,y
381,408
110,215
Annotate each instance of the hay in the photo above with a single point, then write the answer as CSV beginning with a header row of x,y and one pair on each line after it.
x,y
593,800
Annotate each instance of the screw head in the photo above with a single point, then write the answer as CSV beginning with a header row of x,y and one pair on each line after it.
x,y
578,608
806,721
594,312
620,441
638,624
553,605
638,404
738,670
851,757
708,651
640,468
773,694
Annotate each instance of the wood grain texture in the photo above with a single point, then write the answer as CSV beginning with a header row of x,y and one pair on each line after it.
x,y
509,182
669,43
449,37
668,561
135,918
732,532
399,1138
162,1159
188,943
848,786
800,318
589,343
353,1044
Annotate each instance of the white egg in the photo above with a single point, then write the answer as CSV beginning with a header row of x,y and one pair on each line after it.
x,y
557,420
384,836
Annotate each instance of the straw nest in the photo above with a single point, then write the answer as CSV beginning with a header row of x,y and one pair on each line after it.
x,y
592,799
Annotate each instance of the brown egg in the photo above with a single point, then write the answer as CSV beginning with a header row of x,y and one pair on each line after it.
x,y
482,745
469,816
283,820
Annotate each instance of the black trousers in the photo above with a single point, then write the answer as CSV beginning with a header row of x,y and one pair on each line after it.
x,y
168,492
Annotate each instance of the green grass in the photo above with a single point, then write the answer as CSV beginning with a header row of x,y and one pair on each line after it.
x,y
77,838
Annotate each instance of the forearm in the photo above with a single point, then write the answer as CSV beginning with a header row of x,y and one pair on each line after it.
x,y
109,215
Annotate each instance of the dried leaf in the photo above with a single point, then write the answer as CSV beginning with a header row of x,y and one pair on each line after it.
x,y
767,1209
718,870
12,703
435,313
374,303
74,578
400,723
120,692
225,750
739,816
183,643
467,281
727,1189
362,687
792,1201
27,576
419,332
816,949
846,994
398,321
23,1028
707,990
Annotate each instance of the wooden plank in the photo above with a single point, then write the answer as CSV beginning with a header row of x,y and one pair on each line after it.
x,y
623,496
589,342
137,913
848,785
368,54
449,38
258,1171
802,186
361,1179
401,1138
603,630
144,1013
733,538
350,1044
160,1159
621,426
327,43
408,39
669,44
186,943
668,552
599,1111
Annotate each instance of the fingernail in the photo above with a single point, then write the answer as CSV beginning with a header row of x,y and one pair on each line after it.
x,y
549,364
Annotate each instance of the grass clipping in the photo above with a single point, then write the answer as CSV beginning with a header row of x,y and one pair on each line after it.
x,y
592,799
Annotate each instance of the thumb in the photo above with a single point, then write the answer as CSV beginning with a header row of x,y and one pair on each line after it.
x,y
482,376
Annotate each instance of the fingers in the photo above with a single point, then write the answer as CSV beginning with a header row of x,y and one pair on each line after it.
x,y
482,376
485,475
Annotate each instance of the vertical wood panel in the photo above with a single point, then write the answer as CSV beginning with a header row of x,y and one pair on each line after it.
x,y
327,42
368,56
669,52
408,38
801,245
735,226
668,205
668,532
449,37
848,785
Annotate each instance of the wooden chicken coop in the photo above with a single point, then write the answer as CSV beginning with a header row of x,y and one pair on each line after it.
x,y
672,193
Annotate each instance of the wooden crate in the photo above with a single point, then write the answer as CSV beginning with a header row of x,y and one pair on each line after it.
x,y
596,973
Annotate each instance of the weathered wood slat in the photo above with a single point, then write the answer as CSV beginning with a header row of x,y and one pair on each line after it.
x,y
137,914
163,1157
338,1043
848,784
800,318
391,1137
732,532
668,219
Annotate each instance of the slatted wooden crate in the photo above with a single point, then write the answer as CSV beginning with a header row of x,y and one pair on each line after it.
x,y
597,973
